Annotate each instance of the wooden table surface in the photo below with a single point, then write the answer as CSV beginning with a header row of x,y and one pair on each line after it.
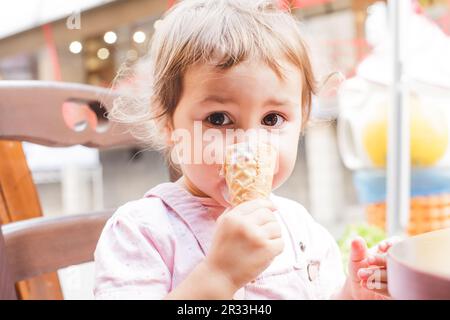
x,y
419,267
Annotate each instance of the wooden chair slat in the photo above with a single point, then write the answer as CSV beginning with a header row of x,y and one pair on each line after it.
x,y
41,245
7,290
19,201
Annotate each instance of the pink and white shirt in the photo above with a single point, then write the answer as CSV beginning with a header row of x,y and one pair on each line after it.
x,y
150,245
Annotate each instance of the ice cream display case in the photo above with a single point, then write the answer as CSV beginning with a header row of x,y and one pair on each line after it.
x,y
410,105
362,137
365,103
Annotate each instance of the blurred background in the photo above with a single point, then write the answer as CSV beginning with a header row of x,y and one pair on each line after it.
x,y
340,175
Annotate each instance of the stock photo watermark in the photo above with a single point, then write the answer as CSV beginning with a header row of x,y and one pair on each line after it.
x,y
208,145
374,281
73,22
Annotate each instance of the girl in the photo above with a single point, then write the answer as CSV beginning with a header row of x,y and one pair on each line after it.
x,y
217,66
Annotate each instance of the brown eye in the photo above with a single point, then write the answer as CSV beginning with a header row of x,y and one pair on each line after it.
x,y
218,119
272,120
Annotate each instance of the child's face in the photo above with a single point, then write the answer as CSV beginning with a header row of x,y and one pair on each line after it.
x,y
247,96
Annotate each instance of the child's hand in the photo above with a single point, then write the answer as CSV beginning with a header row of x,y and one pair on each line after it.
x,y
367,270
247,239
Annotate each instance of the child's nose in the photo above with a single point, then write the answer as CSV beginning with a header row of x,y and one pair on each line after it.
x,y
251,122
252,134
249,127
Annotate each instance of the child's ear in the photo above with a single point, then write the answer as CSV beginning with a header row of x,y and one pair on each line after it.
x,y
329,86
168,129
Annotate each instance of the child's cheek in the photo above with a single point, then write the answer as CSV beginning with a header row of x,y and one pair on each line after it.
x,y
204,176
286,164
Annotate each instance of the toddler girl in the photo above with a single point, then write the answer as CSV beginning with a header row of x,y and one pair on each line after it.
x,y
217,67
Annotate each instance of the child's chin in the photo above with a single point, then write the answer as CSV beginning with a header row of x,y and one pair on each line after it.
x,y
222,194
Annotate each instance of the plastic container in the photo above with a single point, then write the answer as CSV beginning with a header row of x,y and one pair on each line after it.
x,y
430,198
362,124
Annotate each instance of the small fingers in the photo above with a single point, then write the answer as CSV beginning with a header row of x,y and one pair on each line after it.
x,y
379,288
377,260
385,245
271,230
358,255
252,205
358,251
276,246
261,217
373,274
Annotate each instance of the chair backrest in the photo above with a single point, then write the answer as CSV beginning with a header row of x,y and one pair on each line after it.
x,y
39,111
53,114
42,245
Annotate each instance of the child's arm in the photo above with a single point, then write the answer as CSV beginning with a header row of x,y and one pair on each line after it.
x,y
246,240
204,282
129,266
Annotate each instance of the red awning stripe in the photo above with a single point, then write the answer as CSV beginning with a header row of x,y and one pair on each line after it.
x,y
51,47
299,4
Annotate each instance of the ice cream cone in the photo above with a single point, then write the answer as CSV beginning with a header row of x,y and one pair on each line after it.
x,y
248,171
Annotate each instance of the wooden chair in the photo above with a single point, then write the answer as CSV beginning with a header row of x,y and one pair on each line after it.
x,y
33,249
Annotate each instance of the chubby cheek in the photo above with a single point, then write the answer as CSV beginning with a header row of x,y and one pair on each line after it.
x,y
207,179
287,157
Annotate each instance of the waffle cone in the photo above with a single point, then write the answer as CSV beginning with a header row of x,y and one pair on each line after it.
x,y
249,171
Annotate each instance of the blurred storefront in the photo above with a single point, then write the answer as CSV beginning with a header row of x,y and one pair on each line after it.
x,y
88,41
89,44
84,46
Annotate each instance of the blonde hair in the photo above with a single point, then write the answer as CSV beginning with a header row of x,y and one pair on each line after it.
x,y
222,32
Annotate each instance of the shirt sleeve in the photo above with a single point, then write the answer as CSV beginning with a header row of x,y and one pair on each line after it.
x,y
131,257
